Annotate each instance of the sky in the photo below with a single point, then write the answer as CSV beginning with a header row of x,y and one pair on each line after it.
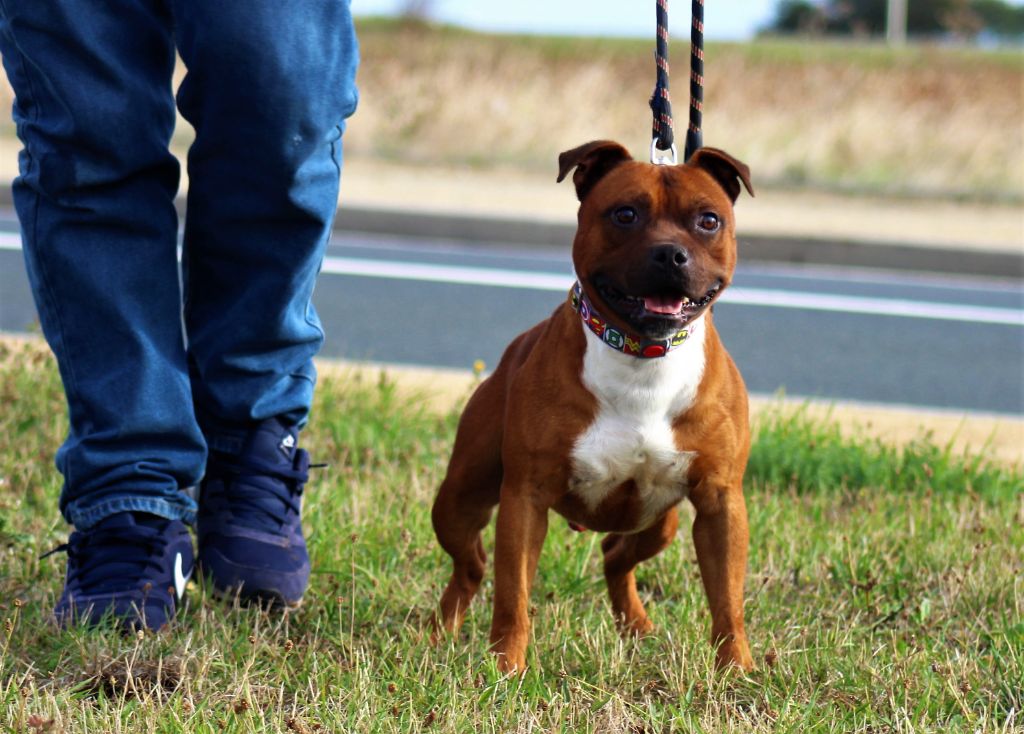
x,y
723,19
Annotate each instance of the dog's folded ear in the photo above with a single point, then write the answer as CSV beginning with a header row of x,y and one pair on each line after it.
x,y
592,161
723,168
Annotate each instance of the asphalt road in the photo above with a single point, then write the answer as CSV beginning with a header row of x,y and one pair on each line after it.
x,y
844,334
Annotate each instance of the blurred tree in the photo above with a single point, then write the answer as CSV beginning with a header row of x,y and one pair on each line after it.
x,y
416,9
961,20
964,18
798,16
1000,17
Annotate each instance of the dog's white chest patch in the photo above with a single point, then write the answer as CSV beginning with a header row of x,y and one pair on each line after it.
x,y
631,437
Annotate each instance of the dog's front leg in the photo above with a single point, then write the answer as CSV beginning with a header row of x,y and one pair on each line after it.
x,y
721,536
519,536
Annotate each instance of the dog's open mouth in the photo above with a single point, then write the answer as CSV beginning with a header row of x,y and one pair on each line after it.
x,y
675,307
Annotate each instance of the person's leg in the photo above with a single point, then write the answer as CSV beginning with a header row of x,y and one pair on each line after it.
x,y
268,89
95,112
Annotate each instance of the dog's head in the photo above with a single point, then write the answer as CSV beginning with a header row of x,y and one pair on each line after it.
x,y
655,244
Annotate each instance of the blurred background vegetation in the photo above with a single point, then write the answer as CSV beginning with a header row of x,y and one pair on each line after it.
x,y
848,115
815,101
974,20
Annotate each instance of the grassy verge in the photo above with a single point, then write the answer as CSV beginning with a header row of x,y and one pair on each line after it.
x,y
884,594
928,120
850,117
795,49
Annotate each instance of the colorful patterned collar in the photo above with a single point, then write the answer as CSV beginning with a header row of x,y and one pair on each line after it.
x,y
621,341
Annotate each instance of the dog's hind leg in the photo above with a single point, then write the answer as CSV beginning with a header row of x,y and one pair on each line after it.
x,y
462,509
622,553
459,515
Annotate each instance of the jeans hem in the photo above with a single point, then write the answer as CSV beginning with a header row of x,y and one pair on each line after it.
x,y
85,519
226,438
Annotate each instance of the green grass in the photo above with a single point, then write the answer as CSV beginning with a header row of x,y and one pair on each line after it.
x,y
884,593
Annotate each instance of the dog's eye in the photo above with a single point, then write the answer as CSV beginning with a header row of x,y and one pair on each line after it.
x,y
708,222
625,215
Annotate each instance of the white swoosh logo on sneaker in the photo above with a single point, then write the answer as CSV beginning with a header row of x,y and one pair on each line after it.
x,y
180,579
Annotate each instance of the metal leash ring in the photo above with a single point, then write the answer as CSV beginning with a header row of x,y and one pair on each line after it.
x,y
661,157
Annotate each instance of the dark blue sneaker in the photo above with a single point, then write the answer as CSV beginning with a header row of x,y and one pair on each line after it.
x,y
131,567
249,522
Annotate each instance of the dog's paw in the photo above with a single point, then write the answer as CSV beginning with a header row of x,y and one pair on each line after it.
x,y
511,663
510,653
734,651
437,630
637,627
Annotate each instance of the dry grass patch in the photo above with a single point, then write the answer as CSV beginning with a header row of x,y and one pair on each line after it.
x,y
925,120
921,121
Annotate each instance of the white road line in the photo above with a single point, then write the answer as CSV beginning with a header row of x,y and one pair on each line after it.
x,y
764,297
741,296
874,306
462,275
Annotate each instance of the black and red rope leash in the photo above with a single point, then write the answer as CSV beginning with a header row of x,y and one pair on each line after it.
x,y
661,104
663,143
694,133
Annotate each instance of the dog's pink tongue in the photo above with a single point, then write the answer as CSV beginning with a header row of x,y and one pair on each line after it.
x,y
656,304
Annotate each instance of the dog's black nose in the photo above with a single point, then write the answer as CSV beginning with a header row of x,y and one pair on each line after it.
x,y
669,257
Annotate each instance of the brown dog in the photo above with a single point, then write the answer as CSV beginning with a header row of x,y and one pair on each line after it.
x,y
615,408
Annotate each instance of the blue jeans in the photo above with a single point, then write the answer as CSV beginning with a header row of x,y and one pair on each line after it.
x,y
268,89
